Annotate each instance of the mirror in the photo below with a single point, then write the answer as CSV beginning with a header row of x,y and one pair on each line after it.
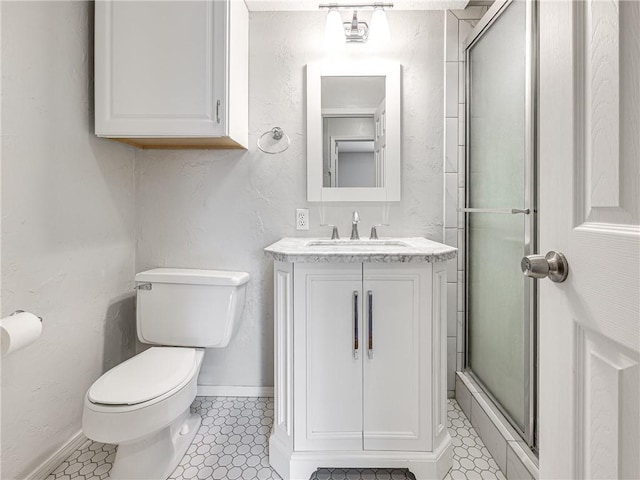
x,y
353,132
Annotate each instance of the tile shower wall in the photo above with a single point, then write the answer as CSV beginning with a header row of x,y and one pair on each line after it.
x,y
217,209
67,229
458,24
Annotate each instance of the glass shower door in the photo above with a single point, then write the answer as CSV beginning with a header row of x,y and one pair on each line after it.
x,y
498,223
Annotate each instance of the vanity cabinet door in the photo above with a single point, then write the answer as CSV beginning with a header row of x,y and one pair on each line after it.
x,y
327,366
397,357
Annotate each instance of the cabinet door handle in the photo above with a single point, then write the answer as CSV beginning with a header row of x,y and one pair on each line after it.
x,y
218,111
370,295
355,324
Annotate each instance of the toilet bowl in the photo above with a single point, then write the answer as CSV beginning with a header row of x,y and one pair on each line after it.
x,y
147,415
143,404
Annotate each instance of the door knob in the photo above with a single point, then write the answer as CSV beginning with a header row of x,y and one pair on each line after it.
x,y
553,265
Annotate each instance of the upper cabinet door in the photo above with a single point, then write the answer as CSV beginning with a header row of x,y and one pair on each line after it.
x,y
161,70
397,357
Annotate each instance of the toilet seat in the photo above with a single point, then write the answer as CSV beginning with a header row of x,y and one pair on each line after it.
x,y
147,376
123,423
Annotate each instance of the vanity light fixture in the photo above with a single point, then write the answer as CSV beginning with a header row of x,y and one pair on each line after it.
x,y
356,31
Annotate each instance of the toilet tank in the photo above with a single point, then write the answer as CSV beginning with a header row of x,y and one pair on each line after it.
x,y
189,308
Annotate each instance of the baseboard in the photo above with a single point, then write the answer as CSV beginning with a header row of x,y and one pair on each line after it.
x,y
234,391
44,470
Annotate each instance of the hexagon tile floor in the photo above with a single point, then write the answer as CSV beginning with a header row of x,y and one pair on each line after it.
x,y
232,444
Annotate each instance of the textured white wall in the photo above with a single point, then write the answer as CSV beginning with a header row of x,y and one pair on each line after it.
x,y
214,209
67,228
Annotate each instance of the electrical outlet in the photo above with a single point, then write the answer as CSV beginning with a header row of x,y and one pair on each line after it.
x,y
302,219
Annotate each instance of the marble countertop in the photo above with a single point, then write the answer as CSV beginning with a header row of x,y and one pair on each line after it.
x,y
384,250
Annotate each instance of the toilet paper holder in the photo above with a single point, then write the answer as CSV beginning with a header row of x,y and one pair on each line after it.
x,y
22,311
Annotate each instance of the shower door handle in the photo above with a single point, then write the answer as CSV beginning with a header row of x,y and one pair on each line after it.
x,y
553,265
509,211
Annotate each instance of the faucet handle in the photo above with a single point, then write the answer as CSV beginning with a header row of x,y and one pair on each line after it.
x,y
334,233
374,230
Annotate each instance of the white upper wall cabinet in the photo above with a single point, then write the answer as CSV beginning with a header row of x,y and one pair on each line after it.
x,y
172,74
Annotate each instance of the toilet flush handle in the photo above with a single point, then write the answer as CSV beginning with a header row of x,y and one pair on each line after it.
x,y
143,286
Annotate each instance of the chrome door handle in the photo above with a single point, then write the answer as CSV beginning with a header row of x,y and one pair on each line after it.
x,y
370,350
355,324
553,265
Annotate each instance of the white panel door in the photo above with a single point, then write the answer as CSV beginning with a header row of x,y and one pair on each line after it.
x,y
333,168
327,356
590,211
397,357
380,142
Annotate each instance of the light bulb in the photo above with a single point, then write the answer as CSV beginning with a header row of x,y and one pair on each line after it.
x,y
333,30
380,34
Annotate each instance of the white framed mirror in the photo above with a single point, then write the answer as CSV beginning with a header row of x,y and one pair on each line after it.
x,y
353,132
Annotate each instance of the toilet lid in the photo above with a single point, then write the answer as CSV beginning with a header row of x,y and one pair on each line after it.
x,y
146,376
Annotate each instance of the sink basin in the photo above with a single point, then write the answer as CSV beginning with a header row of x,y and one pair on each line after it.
x,y
356,243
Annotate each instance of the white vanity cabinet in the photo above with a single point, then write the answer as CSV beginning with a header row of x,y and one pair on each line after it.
x,y
172,74
361,357
360,365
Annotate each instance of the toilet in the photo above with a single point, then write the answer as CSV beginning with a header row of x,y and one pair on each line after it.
x,y
143,404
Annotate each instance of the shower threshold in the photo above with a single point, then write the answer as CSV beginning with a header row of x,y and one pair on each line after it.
x,y
510,451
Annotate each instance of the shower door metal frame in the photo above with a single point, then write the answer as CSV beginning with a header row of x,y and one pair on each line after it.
x,y
530,314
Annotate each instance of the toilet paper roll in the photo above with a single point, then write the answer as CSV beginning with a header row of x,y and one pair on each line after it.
x,y
19,330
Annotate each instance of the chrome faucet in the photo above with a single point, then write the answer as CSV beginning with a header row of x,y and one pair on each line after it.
x,y
354,226
374,230
334,232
